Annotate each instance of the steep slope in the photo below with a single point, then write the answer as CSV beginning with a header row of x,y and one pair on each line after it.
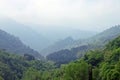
x,y
14,45
61,44
15,67
65,56
28,36
97,42
95,65
101,38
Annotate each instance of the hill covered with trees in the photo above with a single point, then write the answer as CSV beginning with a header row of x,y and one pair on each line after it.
x,y
13,44
59,45
26,34
94,65
15,67
96,42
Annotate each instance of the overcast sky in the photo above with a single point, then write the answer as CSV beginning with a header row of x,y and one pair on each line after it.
x,y
82,14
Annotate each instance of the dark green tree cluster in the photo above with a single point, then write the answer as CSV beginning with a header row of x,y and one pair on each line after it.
x,y
106,63
15,67
95,65
77,48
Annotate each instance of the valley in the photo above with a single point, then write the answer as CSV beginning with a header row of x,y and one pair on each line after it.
x,y
69,59
59,39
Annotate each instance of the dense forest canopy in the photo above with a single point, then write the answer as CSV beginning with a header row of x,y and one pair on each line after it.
x,y
94,65
59,39
96,42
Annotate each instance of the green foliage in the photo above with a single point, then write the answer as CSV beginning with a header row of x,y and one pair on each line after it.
x,y
1,78
109,72
14,45
5,72
32,74
95,65
14,67
115,56
114,44
61,57
94,57
95,74
77,71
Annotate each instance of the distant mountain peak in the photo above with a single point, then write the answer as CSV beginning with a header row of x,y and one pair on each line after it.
x,y
26,34
13,44
114,27
69,38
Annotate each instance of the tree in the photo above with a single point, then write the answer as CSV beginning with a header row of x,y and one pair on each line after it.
x,y
1,78
32,74
77,71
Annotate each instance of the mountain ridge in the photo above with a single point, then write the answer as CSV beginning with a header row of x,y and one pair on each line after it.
x,y
97,42
13,44
27,35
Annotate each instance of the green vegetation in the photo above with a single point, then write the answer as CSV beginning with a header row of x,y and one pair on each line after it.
x,y
98,41
94,65
13,44
80,47
15,67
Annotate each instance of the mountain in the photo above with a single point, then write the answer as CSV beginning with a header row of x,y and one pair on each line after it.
x,y
96,42
27,35
106,35
13,44
94,65
61,44
99,39
65,56
15,67
39,37
56,33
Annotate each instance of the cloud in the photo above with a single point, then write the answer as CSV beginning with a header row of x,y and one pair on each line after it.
x,y
63,12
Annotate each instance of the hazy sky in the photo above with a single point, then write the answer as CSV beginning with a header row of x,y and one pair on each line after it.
x,y
83,14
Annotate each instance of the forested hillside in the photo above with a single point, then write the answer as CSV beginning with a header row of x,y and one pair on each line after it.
x,y
13,44
59,39
95,65
96,42
61,44
27,35
65,56
15,67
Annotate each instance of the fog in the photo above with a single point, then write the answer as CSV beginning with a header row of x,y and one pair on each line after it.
x,y
94,15
57,19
